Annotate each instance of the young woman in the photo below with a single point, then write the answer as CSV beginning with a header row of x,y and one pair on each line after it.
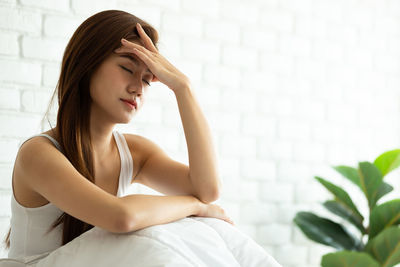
x,y
73,177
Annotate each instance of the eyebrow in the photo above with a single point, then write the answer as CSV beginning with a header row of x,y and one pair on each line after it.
x,y
135,61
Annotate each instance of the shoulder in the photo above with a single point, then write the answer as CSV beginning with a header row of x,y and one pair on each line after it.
x,y
140,144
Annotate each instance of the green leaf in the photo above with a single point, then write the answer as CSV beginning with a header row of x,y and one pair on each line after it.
x,y
348,259
384,216
346,213
385,247
349,173
388,161
325,231
371,180
383,189
341,196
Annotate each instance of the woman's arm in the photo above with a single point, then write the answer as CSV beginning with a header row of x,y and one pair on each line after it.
x,y
202,160
148,210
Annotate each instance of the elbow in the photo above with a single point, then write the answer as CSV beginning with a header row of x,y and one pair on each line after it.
x,y
210,197
124,223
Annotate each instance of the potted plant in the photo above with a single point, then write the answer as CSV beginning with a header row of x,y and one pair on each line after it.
x,y
378,244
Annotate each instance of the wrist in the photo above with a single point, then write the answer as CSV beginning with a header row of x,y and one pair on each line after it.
x,y
199,207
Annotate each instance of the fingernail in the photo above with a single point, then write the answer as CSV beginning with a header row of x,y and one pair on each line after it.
x,y
124,40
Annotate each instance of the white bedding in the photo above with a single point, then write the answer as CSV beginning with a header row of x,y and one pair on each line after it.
x,y
191,241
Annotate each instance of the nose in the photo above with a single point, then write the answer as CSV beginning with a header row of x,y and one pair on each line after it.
x,y
136,87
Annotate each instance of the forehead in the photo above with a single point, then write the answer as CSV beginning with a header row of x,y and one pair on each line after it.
x,y
135,60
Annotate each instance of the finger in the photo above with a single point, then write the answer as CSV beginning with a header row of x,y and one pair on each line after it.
x,y
147,40
145,58
131,45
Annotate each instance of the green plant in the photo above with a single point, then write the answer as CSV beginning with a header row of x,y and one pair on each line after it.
x,y
381,245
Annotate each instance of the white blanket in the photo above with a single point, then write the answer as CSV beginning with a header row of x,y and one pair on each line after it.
x,y
191,241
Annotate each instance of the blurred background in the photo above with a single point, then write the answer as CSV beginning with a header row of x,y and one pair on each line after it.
x,y
289,87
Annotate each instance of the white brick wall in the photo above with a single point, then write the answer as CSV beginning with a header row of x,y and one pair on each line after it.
x,y
289,88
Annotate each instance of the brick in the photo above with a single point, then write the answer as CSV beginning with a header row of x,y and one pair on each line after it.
x,y
35,101
43,49
174,5
90,8
206,8
188,25
280,21
310,69
222,75
62,5
239,57
9,99
248,191
294,130
274,234
342,113
295,87
293,171
313,152
146,12
256,125
330,11
6,174
224,122
253,168
277,105
191,69
19,125
5,203
277,192
309,109
295,46
238,146
258,213
20,20
222,31
170,45
20,72
308,26
317,251
287,212
275,149
345,34
60,26
260,39
277,64
9,148
51,74
244,13
328,51
201,50
298,255
229,166
313,192
9,44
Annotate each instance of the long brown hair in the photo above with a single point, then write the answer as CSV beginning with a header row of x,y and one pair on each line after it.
x,y
93,41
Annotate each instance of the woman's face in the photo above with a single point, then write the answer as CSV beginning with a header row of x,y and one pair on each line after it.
x,y
119,77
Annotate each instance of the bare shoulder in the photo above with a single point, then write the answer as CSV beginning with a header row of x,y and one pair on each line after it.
x,y
140,148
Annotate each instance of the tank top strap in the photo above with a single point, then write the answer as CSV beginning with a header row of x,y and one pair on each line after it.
x,y
126,163
54,141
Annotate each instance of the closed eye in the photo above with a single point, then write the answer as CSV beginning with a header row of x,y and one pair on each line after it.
x,y
128,70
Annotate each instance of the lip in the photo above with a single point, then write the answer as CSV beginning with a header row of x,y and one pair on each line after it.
x,y
131,103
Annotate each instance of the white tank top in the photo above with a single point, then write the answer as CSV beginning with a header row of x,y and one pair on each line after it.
x,y
29,225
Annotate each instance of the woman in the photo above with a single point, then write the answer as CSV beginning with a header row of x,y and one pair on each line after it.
x,y
73,177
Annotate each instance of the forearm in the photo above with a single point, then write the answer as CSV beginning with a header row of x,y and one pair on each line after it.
x,y
202,159
148,210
